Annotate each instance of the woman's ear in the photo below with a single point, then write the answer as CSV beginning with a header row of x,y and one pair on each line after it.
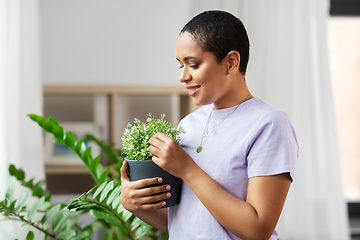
x,y
233,59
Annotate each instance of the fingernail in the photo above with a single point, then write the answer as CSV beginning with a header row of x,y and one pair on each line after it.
x,y
160,180
168,195
163,203
168,187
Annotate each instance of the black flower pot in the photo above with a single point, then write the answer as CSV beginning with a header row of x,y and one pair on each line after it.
x,y
140,169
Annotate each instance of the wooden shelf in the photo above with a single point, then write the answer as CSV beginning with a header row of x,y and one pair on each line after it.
x,y
113,91
56,169
101,89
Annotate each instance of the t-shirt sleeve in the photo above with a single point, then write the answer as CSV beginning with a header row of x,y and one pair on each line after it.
x,y
274,148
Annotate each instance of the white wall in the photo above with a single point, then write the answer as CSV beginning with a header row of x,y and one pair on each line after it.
x,y
21,93
111,41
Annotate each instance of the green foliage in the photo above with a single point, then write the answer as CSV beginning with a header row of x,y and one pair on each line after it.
x,y
136,137
104,205
60,221
37,188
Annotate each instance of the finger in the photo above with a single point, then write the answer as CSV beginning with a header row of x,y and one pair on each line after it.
x,y
123,170
156,160
154,190
155,198
154,150
157,142
146,182
160,135
153,206
163,137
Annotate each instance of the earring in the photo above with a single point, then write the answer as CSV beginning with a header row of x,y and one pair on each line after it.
x,y
233,70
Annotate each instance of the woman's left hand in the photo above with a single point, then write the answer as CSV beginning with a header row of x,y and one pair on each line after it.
x,y
169,155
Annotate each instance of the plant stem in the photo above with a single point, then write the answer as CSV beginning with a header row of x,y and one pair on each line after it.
x,y
20,218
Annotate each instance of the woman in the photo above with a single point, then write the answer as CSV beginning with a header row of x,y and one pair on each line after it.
x,y
238,154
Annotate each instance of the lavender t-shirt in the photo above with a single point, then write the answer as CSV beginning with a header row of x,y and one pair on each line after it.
x,y
255,140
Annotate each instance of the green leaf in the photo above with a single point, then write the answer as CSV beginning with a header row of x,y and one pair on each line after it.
x,y
126,215
47,195
120,226
45,205
135,223
9,195
116,202
95,163
89,192
41,120
21,200
164,236
110,219
35,207
30,235
113,195
59,220
58,132
67,234
37,192
79,206
104,175
86,157
100,214
98,191
106,190
33,116
50,214
109,234
69,139
70,222
99,171
78,145
82,235
48,126
98,224
12,170
20,175
28,184
142,230
52,120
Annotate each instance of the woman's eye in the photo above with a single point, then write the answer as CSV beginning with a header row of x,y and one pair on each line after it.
x,y
194,66
181,67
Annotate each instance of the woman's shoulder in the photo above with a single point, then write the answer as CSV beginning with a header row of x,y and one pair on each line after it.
x,y
260,108
260,113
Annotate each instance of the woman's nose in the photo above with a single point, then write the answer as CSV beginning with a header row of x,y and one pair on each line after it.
x,y
184,75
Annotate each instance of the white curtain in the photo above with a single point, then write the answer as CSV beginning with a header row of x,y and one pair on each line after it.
x,y
20,94
289,69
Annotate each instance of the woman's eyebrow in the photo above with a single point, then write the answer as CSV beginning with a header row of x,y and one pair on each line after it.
x,y
187,58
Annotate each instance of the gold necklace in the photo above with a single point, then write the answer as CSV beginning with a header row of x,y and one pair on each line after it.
x,y
208,131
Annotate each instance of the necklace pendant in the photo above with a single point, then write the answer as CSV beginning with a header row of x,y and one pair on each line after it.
x,y
199,148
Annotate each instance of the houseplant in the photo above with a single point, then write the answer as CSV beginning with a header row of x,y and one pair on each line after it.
x,y
61,221
135,147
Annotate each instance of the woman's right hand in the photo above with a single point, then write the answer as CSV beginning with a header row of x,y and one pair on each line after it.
x,y
138,196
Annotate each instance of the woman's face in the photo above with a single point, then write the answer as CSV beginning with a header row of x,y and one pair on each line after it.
x,y
203,76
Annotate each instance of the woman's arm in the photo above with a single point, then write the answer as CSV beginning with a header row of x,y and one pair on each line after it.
x,y
254,218
139,199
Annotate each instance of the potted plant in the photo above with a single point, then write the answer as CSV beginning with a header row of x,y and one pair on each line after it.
x,y
135,147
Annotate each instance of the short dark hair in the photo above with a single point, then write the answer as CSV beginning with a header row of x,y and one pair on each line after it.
x,y
220,32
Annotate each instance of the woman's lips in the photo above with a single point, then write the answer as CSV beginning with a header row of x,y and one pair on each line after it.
x,y
193,89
